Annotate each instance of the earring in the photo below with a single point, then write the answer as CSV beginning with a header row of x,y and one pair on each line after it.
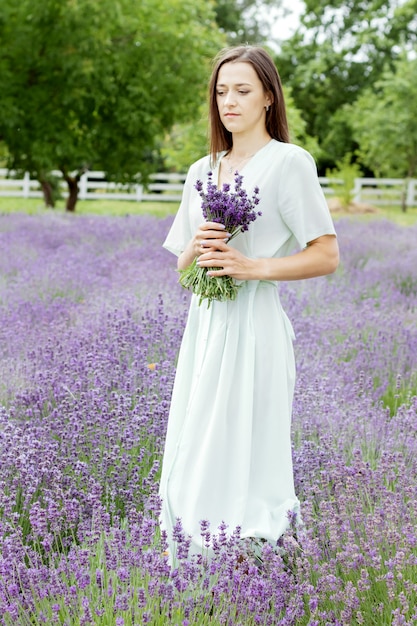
x,y
267,108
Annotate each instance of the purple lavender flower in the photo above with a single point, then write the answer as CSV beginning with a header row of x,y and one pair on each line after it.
x,y
236,211
83,421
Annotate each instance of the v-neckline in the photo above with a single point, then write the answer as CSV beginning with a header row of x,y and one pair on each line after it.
x,y
220,160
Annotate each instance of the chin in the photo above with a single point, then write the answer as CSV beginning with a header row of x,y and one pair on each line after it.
x,y
230,126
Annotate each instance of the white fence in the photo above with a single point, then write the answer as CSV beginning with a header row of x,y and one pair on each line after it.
x,y
94,186
386,191
168,188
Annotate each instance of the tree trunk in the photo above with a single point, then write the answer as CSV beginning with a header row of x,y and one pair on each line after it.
x,y
404,202
72,193
404,196
48,193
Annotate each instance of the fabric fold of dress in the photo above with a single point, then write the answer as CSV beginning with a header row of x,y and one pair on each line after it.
x,y
228,446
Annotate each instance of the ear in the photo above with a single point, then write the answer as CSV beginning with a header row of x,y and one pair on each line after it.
x,y
268,98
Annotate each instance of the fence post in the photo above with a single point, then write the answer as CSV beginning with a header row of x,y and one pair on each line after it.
x,y
82,189
357,189
26,185
139,192
410,192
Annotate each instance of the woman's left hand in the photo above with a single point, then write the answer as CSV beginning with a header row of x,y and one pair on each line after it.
x,y
320,257
230,262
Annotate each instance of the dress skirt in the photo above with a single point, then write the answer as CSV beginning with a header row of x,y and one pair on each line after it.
x,y
228,447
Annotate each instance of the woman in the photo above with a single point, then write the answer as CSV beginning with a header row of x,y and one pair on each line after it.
x,y
228,449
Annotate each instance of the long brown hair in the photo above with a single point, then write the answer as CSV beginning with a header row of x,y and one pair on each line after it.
x,y
276,116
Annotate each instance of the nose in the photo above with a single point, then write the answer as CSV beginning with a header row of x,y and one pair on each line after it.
x,y
230,99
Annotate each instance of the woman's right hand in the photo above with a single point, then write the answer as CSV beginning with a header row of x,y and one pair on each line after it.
x,y
207,235
204,240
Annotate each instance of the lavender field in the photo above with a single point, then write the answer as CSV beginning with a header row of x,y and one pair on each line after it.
x,y
91,318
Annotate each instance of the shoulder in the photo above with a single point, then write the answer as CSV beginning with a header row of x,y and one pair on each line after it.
x,y
290,151
205,165
200,168
291,157
197,171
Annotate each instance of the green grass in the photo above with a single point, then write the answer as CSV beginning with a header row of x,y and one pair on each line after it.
x,y
393,213
35,206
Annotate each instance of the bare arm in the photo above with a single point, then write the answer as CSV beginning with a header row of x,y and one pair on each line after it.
x,y
320,257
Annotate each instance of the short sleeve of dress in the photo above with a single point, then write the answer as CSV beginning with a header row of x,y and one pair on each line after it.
x,y
180,232
303,204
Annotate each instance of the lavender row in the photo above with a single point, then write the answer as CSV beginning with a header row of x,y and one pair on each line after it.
x,y
91,317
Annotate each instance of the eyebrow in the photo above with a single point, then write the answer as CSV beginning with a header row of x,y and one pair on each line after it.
x,y
237,85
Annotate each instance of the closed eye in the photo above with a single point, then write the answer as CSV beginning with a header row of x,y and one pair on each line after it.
x,y
241,92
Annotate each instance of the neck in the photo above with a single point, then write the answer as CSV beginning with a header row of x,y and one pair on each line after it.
x,y
244,147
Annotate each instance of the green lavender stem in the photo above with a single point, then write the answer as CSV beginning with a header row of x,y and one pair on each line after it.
x,y
209,288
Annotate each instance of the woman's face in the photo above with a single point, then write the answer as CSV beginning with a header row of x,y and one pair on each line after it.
x,y
241,99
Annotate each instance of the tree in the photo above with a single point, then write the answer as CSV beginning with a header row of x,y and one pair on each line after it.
x,y
187,142
298,126
96,83
339,50
244,21
384,122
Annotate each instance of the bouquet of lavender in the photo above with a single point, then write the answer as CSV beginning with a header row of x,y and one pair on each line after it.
x,y
236,211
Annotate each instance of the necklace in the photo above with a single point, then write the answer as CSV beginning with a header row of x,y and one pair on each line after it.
x,y
232,168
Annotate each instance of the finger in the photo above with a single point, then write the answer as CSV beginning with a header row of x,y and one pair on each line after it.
x,y
210,235
221,245
213,233
212,226
213,244
211,259
219,272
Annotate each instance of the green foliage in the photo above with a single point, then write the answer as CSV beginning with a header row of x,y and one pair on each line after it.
x,y
346,171
243,21
298,126
338,52
88,84
186,142
384,122
3,154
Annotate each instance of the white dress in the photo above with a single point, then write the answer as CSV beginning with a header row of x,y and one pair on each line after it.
x,y
228,448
